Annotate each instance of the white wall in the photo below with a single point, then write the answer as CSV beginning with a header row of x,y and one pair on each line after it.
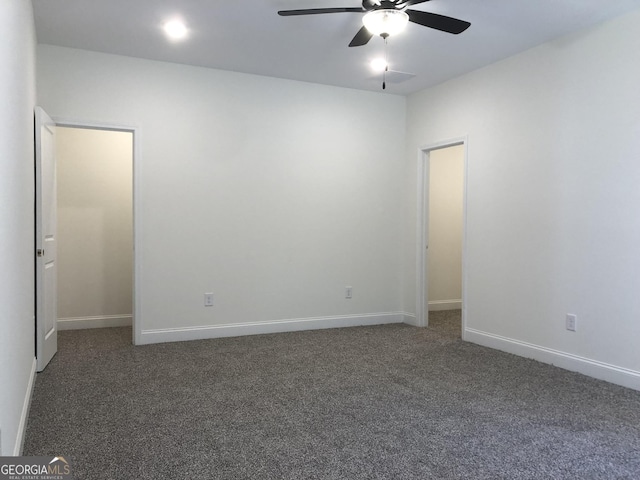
x,y
95,227
17,314
272,194
444,269
553,175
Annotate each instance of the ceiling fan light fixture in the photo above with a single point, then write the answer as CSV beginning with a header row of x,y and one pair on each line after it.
x,y
385,22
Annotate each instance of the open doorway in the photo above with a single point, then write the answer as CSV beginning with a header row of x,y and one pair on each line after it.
x,y
95,227
441,223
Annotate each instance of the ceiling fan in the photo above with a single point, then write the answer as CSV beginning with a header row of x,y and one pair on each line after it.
x,y
381,15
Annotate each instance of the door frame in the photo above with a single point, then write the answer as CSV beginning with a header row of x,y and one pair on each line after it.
x,y
422,223
136,322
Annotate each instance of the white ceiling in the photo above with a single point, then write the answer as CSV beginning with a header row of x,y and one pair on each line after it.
x,y
248,35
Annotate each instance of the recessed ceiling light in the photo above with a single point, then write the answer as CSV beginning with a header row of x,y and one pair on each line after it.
x,y
378,64
175,29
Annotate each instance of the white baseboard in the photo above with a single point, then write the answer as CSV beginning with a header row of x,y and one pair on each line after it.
x,y
24,416
275,326
104,321
409,319
593,368
438,305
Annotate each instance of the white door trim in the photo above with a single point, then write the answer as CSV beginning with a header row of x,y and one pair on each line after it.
x,y
137,228
422,229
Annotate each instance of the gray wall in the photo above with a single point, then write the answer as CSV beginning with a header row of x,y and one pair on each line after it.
x,y
267,192
553,177
17,314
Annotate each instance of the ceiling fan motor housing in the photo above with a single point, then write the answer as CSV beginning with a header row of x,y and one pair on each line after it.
x,y
370,5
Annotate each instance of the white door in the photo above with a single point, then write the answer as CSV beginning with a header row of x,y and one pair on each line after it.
x,y
46,265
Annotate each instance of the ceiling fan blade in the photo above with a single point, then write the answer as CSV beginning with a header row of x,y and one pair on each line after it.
x,y
315,11
362,38
408,3
439,22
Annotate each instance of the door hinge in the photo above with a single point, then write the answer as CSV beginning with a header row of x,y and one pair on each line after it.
x,y
40,252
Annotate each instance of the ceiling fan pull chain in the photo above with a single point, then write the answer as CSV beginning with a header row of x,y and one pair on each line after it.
x,y
386,64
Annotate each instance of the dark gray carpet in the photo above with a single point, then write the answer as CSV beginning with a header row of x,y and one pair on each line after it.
x,y
446,322
386,402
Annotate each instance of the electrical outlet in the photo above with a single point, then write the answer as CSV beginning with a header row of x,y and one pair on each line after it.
x,y
571,322
208,299
348,292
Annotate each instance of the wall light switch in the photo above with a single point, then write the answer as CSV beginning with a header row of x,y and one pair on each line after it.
x,y
208,299
572,322
348,292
